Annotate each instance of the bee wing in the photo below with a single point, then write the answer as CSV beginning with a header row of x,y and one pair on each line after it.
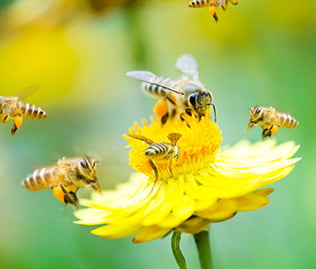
x,y
145,76
174,137
142,138
23,94
151,78
188,66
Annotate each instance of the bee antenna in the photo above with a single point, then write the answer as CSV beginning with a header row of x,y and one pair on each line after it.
x,y
170,89
214,111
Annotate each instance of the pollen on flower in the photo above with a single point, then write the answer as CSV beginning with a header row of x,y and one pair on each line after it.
x,y
198,144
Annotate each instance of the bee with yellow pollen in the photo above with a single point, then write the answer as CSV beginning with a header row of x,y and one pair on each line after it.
x,y
206,183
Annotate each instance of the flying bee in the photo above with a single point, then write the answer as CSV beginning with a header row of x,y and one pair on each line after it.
x,y
13,108
161,151
270,120
65,178
183,96
212,5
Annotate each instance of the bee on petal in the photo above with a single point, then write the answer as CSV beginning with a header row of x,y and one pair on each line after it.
x,y
212,5
14,108
161,151
183,96
65,178
270,120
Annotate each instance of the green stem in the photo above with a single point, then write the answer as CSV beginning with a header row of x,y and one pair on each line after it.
x,y
202,241
175,245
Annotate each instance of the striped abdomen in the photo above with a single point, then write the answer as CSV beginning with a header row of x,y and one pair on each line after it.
x,y
159,151
286,120
200,3
41,179
155,87
30,111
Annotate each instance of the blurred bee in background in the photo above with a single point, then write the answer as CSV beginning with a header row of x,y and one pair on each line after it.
x,y
270,120
183,96
13,108
65,178
53,13
161,151
212,5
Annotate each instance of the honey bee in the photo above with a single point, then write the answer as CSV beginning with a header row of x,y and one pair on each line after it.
x,y
13,108
212,5
183,96
65,178
161,151
270,120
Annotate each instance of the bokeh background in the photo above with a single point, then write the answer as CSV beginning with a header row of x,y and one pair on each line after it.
x,y
259,53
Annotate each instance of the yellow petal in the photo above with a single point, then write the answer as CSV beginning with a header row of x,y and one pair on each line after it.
x,y
117,230
91,216
194,225
222,210
150,233
254,200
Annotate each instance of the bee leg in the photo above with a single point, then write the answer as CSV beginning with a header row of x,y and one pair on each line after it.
x,y
13,129
188,111
212,10
5,118
164,118
17,124
266,133
154,166
169,166
61,194
173,113
71,198
183,119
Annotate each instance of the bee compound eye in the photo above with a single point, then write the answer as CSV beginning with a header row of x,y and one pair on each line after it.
x,y
192,99
84,163
257,110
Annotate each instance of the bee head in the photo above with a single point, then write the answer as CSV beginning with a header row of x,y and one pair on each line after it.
x,y
87,167
255,111
201,101
255,116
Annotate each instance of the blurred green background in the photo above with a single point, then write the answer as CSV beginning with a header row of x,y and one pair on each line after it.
x,y
259,53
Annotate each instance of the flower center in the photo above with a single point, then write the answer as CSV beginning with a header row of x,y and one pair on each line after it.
x,y
155,153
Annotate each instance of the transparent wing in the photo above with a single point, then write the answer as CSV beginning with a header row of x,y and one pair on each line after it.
x,y
174,137
188,66
23,94
142,138
145,76
151,78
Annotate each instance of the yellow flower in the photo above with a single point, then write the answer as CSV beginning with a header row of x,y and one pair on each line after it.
x,y
205,184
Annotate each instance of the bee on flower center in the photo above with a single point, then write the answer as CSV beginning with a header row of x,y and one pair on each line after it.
x,y
212,5
161,151
65,178
270,120
183,96
13,108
